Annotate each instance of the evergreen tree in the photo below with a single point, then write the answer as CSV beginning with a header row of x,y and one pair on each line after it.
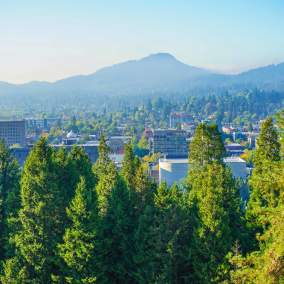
x,y
214,192
9,199
265,265
129,165
77,249
206,146
164,239
82,166
266,182
268,146
105,172
114,255
40,222
103,160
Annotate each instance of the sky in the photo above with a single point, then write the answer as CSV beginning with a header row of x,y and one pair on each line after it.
x,y
53,39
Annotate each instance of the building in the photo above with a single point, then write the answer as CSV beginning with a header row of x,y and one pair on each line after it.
x,y
238,166
169,142
234,149
116,143
13,132
172,170
175,170
92,150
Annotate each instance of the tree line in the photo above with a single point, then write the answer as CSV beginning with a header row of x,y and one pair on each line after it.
x,y
64,220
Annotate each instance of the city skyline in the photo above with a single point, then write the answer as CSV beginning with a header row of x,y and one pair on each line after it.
x,y
51,41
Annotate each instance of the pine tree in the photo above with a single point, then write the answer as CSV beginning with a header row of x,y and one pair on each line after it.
x,y
40,222
266,182
105,173
268,146
77,249
206,146
114,260
164,238
82,166
214,192
129,165
9,199
100,167
265,265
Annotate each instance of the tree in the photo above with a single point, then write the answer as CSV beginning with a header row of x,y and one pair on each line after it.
x,y
129,165
265,265
103,159
9,199
164,239
114,256
206,146
266,182
280,123
268,146
214,192
77,250
41,224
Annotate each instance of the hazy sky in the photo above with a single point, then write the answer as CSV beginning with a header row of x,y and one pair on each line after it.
x,y
52,39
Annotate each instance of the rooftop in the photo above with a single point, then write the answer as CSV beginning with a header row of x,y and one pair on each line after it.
x,y
234,160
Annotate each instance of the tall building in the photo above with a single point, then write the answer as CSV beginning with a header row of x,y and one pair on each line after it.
x,y
13,132
169,142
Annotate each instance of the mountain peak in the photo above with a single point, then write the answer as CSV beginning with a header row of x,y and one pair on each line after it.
x,y
160,56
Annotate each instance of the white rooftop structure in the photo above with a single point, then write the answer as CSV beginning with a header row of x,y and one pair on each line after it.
x,y
175,170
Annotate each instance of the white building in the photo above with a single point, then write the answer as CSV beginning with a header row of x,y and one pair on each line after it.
x,y
237,165
174,170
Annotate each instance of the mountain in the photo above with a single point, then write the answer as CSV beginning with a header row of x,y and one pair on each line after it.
x,y
158,73
268,77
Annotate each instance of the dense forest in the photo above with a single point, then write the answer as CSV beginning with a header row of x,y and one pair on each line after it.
x,y
224,105
64,220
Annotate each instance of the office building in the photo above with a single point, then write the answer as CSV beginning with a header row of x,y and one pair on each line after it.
x,y
13,132
169,142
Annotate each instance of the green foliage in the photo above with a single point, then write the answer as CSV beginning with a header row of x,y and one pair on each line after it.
x,y
129,165
9,199
79,224
267,264
77,250
164,239
114,260
218,203
266,182
40,216
206,146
